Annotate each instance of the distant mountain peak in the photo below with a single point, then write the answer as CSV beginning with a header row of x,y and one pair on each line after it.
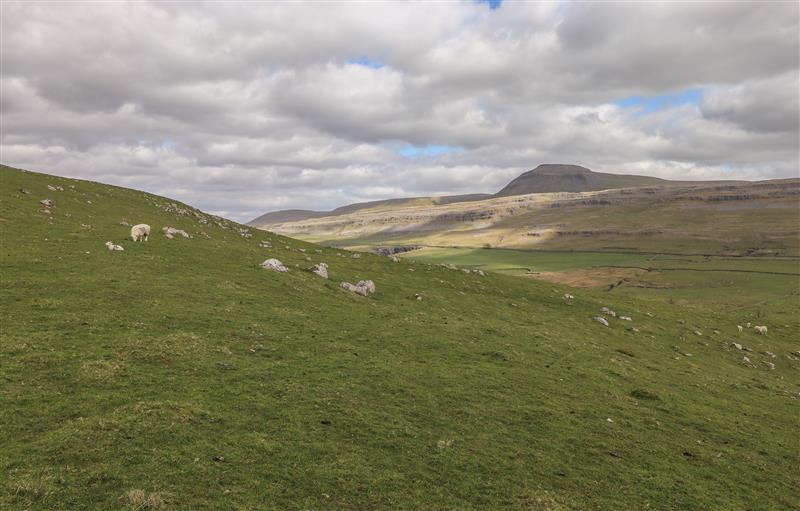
x,y
561,177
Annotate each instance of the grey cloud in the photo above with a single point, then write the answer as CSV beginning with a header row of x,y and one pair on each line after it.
x,y
242,109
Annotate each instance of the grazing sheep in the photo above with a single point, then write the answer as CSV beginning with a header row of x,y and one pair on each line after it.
x,y
114,248
140,232
274,265
568,297
762,330
739,327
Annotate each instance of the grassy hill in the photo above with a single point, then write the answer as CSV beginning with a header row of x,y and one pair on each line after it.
x,y
179,375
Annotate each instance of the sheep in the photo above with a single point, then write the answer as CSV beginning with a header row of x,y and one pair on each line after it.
x,y
739,327
140,232
761,330
112,247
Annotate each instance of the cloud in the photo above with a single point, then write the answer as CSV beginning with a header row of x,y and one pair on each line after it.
x,y
286,105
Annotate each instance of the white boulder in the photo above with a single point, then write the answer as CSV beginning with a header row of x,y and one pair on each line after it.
x,y
171,232
363,288
274,265
320,269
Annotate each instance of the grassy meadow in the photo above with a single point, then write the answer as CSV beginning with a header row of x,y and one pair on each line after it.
x,y
178,374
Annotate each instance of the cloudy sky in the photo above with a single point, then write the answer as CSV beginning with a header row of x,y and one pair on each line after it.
x,y
243,108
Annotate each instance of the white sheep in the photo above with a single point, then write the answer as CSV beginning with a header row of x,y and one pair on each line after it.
x,y
761,330
112,247
140,232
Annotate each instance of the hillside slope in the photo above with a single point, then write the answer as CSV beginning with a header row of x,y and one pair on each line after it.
x,y
179,375
295,215
733,219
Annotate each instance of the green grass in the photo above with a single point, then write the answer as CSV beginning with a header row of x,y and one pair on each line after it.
x,y
722,283
179,375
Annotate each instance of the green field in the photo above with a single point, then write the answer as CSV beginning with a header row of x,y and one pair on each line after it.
x,y
179,375
723,283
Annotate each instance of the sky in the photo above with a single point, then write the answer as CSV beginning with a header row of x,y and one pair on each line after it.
x,y
244,108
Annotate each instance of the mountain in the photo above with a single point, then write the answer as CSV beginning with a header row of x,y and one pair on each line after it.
x,y
716,217
549,178
545,178
178,374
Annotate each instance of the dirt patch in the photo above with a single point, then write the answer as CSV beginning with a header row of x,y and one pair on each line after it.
x,y
589,277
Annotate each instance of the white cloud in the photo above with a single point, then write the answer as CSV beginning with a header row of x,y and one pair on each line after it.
x,y
242,109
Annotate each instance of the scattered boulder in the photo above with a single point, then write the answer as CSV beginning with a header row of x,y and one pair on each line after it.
x,y
394,259
114,248
274,265
737,345
769,364
601,320
265,244
320,269
124,222
606,310
55,188
389,251
24,191
363,288
418,296
625,318
769,354
761,330
568,296
47,203
356,256
171,232
698,332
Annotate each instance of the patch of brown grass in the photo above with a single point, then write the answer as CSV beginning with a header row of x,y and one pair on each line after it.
x,y
140,499
590,277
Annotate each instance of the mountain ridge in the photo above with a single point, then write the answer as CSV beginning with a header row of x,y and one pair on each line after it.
x,y
545,178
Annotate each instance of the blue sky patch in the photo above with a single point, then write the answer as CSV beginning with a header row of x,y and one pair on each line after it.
x,y
413,151
649,104
493,4
366,62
